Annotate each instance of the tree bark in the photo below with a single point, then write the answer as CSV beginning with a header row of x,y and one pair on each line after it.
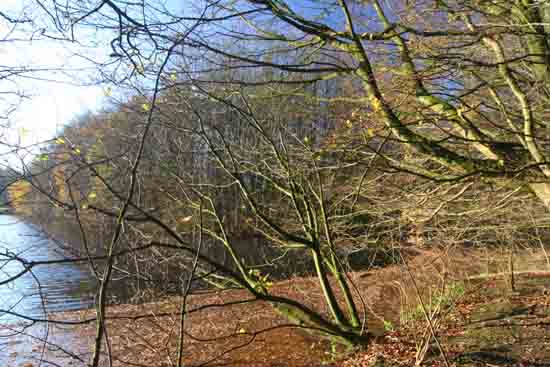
x,y
542,190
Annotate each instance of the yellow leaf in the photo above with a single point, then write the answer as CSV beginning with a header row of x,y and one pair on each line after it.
x,y
370,132
145,107
173,77
376,104
77,151
241,331
92,195
306,140
108,92
59,141
185,219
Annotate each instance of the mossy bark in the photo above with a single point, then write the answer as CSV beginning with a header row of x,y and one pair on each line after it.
x,y
542,190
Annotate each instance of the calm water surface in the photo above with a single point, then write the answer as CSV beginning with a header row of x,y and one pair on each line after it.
x,y
48,288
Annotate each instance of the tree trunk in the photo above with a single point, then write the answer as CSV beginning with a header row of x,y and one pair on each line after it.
x,y
542,190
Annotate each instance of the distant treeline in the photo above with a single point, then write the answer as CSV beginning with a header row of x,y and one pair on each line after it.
x,y
81,178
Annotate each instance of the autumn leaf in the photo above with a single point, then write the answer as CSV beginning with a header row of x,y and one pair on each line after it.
x,y
186,219
376,104
146,107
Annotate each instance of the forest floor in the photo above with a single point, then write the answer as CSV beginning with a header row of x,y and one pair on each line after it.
x,y
486,325
478,318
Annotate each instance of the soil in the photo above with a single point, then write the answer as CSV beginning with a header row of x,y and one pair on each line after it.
x,y
478,319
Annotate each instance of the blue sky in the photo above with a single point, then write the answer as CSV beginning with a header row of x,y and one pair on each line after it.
x,y
52,98
56,98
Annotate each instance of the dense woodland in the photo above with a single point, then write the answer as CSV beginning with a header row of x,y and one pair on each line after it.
x,y
260,139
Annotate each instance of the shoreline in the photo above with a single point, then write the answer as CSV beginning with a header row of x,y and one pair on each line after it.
x,y
249,334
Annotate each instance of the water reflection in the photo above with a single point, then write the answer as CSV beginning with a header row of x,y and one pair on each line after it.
x,y
45,289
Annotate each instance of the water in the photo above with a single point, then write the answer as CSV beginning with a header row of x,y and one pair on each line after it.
x,y
72,286
47,288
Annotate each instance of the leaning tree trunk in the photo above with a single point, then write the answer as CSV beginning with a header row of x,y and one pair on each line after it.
x,y
542,190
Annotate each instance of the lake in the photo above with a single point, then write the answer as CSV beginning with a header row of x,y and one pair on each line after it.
x,y
47,288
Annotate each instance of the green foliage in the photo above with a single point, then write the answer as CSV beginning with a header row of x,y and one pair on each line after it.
x,y
262,281
438,300
389,326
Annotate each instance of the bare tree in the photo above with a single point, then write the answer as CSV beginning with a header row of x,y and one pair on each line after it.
x,y
460,82
451,92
